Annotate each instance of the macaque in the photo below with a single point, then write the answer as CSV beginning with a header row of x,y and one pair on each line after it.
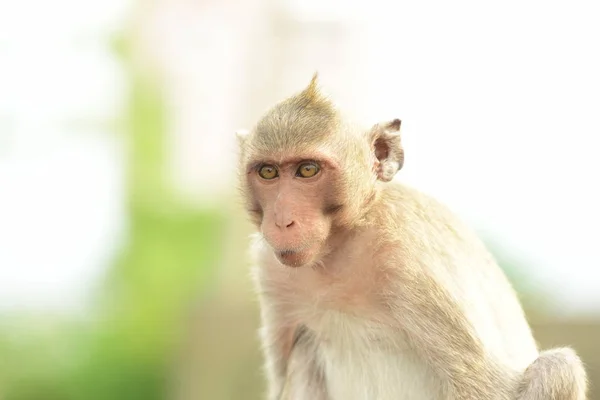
x,y
370,289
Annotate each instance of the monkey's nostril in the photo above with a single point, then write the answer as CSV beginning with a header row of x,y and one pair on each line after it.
x,y
290,224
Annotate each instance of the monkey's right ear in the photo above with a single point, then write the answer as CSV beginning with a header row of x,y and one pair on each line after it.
x,y
387,146
241,135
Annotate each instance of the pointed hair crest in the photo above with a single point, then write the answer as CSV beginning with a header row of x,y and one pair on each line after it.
x,y
302,119
312,90
312,97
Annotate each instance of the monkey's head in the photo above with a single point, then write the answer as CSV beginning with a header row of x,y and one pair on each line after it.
x,y
306,171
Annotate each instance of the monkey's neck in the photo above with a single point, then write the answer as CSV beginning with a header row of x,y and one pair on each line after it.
x,y
364,210
342,239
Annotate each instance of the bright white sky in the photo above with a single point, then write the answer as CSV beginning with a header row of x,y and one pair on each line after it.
x,y
500,108
61,210
501,105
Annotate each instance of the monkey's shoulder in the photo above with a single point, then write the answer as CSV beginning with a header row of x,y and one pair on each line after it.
x,y
410,214
423,233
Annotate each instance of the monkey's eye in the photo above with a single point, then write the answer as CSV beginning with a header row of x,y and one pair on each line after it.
x,y
307,170
267,172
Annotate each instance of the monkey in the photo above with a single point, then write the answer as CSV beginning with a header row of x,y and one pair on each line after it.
x,y
369,288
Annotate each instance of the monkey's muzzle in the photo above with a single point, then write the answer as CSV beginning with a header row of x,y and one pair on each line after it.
x,y
292,258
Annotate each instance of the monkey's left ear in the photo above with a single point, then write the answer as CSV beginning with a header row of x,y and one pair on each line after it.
x,y
241,135
387,146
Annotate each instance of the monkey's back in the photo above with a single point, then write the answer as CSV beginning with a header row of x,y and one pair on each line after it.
x,y
456,255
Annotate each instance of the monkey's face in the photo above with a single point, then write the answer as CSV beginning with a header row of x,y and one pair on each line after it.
x,y
294,201
306,171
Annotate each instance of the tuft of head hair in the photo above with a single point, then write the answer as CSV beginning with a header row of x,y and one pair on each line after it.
x,y
312,93
303,118
311,99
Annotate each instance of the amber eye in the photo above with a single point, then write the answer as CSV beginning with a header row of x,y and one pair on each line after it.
x,y
267,172
307,170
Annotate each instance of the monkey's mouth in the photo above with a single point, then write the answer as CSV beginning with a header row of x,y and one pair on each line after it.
x,y
292,258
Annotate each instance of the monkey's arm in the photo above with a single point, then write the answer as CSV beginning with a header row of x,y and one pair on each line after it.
x,y
304,376
276,340
290,359
438,329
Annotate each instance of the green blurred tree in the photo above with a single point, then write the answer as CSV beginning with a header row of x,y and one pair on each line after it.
x,y
171,252
124,349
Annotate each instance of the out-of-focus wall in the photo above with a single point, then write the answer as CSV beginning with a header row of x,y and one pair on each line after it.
x,y
221,64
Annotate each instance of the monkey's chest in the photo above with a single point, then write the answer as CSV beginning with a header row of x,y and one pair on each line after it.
x,y
363,360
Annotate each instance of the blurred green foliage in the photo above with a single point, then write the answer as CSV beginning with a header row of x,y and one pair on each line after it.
x,y
123,349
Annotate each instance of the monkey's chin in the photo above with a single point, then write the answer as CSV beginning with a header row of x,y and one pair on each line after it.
x,y
292,258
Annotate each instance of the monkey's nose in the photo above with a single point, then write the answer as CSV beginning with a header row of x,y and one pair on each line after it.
x,y
284,223
284,218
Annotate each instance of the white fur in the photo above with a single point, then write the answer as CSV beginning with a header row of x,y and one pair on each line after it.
x,y
363,358
360,364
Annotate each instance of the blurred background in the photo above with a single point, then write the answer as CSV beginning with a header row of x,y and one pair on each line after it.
x,y
123,261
